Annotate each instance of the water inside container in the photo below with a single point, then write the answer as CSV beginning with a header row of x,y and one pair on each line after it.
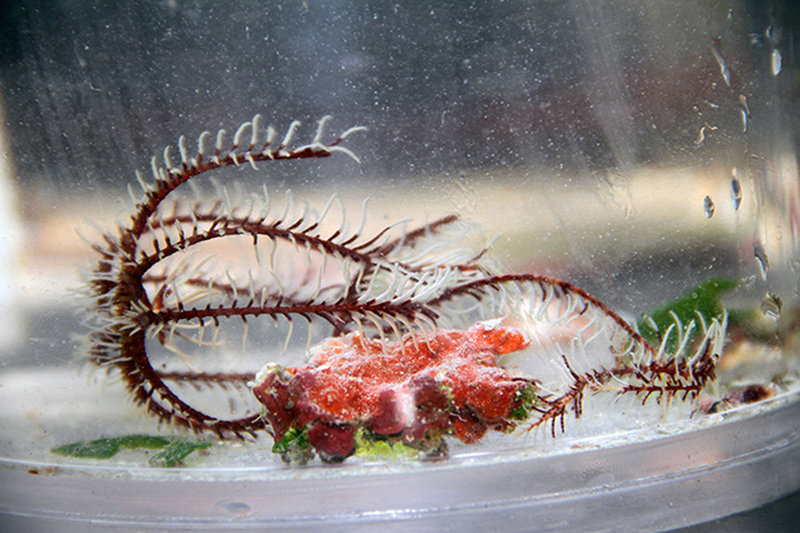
x,y
644,154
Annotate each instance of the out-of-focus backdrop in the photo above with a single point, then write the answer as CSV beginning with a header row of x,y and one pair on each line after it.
x,y
632,148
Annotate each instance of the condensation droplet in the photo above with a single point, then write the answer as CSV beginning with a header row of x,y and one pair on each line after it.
x,y
771,306
743,101
776,62
723,68
236,509
763,260
701,137
708,206
736,191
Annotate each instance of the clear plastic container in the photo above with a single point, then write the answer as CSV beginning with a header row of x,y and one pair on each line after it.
x,y
640,480
634,150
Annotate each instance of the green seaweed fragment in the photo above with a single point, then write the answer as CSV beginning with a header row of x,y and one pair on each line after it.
x,y
151,442
176,452
705,301
173,450
93,449
370,446
527,401
294,446
294,438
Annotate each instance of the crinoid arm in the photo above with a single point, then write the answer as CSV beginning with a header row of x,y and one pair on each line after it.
x,y
580,346
188,274
177,292
482,365
155,289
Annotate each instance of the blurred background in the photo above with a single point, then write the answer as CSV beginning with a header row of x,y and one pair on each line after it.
x,y
586,135
633,148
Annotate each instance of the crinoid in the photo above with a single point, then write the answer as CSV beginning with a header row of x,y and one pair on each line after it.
x,y
414,336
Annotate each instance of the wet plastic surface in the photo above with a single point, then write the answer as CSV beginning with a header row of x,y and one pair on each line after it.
x,y
634,149
663,482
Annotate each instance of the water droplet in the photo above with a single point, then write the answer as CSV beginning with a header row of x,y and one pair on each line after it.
x,y
763,260
723,68
744,111
776,62
701,137
708,206
736,191
743,101
236,509
771,306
